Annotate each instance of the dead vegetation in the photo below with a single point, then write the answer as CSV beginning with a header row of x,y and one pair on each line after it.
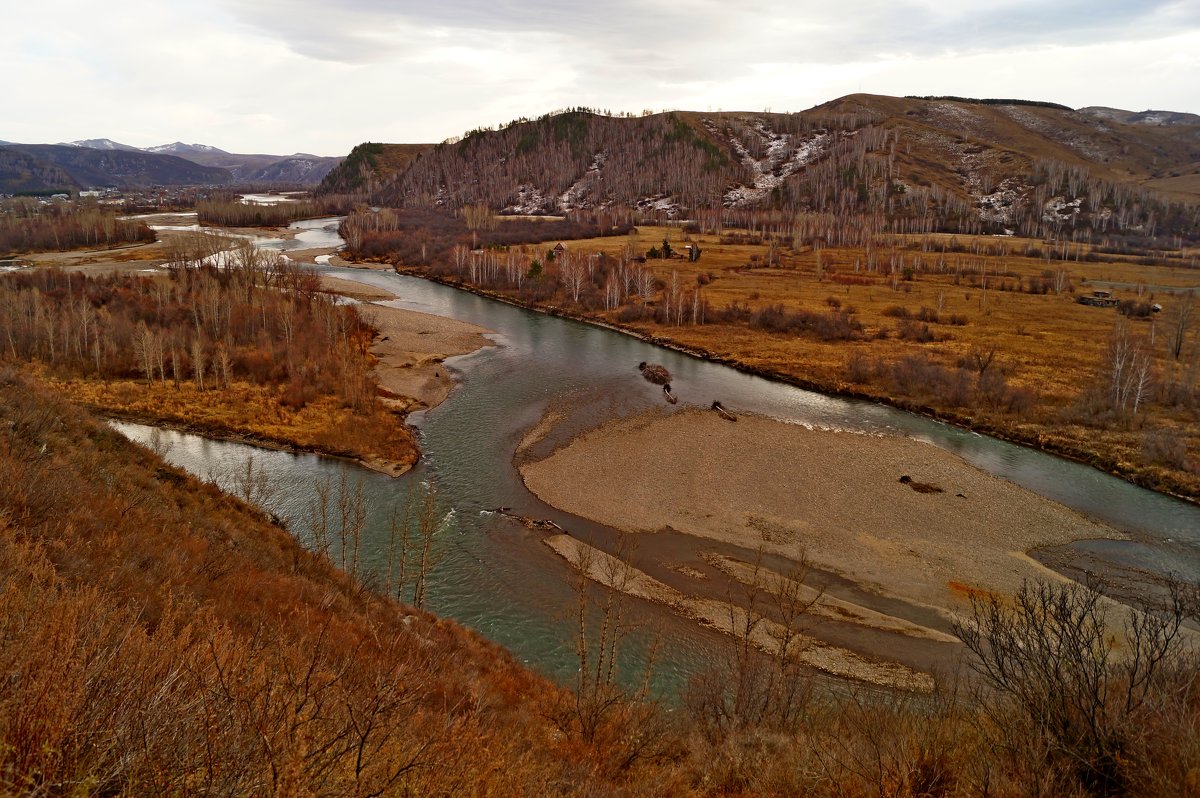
x,y
253,349
157,635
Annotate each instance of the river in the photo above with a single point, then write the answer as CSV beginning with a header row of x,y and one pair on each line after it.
x,y
495,576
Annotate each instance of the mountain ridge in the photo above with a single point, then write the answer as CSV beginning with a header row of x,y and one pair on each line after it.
x,y
984,164
39,167
63,171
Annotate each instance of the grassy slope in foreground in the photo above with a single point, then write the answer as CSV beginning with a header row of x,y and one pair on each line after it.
x,y
158,636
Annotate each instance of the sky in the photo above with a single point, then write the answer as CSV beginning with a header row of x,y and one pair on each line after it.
x,y
319,76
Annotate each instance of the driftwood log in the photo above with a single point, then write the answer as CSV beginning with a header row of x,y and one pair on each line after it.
x,y
654,373
725,414
537,524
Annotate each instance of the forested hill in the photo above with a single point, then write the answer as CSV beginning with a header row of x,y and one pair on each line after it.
x,y
988,164
369,166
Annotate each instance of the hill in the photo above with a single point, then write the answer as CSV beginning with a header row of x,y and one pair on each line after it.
x,y
1147,117
33,167
22,172
160,637
941,163
100,144
369,166
179,148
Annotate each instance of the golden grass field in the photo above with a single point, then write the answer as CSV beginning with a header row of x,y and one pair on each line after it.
x,y
1046,343
256,413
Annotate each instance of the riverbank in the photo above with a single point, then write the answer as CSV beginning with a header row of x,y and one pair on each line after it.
x,y
405,357
897,517
256,414
410,348
407,353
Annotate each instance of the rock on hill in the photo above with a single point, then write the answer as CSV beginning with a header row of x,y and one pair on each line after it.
x,y
996,164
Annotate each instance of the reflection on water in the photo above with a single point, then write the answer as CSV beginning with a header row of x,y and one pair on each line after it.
x,y
313,234
272,199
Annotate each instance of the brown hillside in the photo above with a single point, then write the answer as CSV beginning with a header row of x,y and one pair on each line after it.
x,y
158,637
911,164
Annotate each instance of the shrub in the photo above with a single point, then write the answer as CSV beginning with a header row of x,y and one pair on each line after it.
x,y
1161,447
632,313
919,332
859,368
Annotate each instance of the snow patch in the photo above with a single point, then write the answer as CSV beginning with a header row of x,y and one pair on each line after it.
x,y
660,203
529,200
782,156
1059,209
588,184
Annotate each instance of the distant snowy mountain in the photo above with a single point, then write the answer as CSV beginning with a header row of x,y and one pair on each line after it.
x,y
179,148
101,144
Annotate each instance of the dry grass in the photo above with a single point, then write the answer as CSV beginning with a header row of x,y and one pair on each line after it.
x,y
159,637
255,412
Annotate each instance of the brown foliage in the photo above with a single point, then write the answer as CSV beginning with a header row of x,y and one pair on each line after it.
x,y
28,226
204,341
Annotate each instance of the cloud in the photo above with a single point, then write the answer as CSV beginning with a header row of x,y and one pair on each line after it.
x,y
321,75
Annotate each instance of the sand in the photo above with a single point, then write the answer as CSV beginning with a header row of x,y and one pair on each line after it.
x,y
764,633
411,347
354,289
834,497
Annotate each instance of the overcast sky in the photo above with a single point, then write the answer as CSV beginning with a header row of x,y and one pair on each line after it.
x,y
319,76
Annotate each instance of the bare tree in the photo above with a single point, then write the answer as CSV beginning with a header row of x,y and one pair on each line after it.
x,y
1180,321
1128,373
643,280
1051,657
604,704
198,362
478,217
574,274
762,682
